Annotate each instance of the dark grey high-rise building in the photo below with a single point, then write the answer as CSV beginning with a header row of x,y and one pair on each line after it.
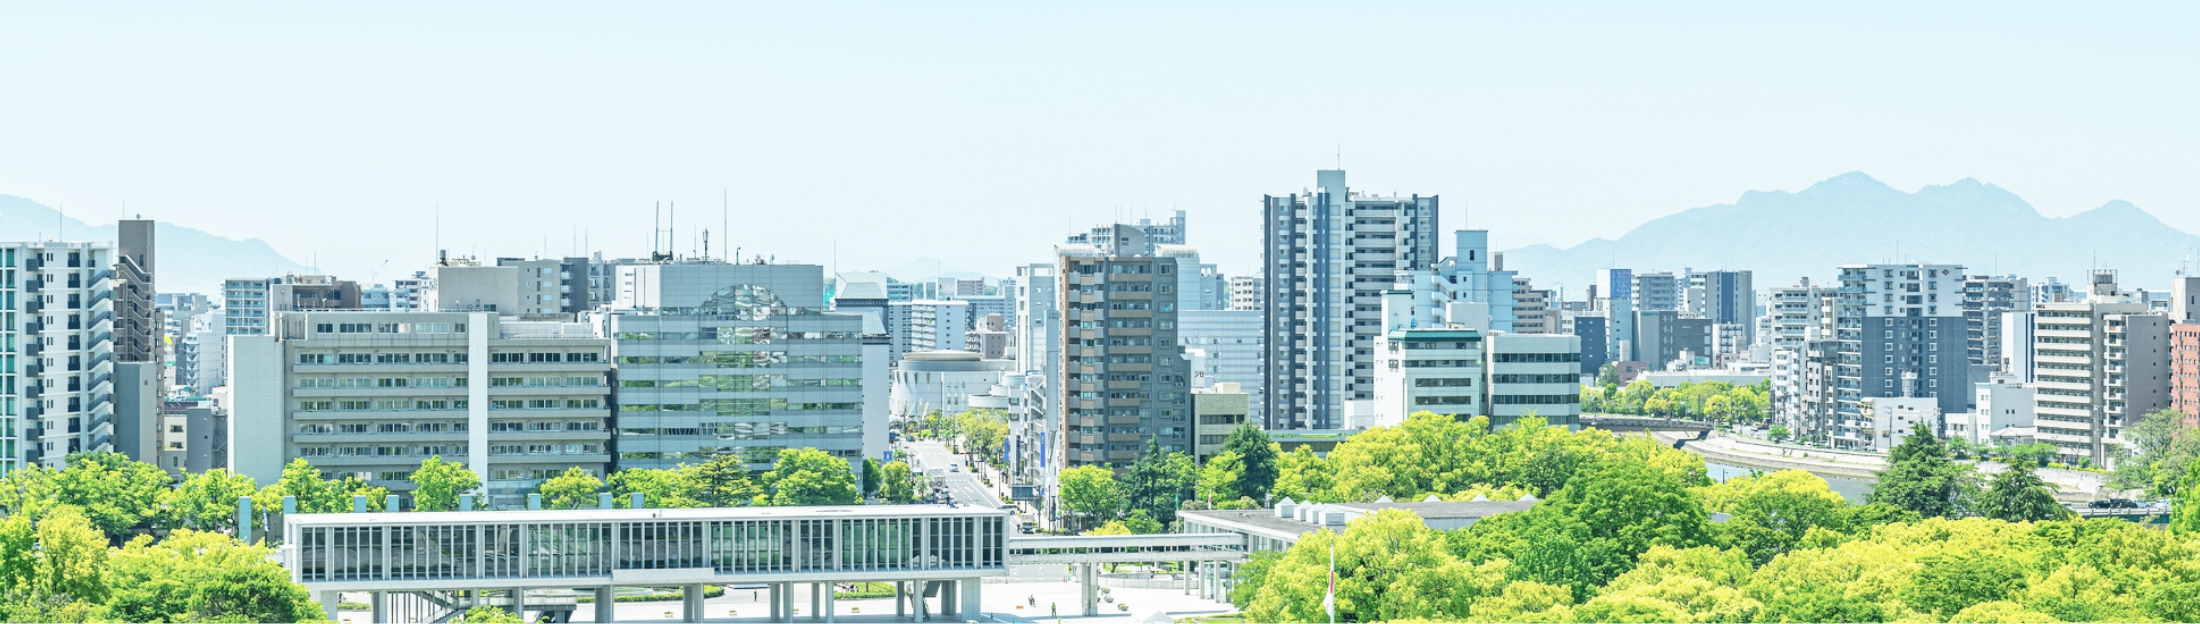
x,y
1725,297
1327,255
1124,376
1901,333
137,321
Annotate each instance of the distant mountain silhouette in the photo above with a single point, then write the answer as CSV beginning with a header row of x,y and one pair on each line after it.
x,y
1854,219
189,260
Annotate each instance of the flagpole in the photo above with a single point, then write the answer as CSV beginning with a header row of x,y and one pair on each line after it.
x,y
1329,602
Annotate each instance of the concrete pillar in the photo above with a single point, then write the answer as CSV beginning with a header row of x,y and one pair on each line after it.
x,y
916,598
772,592
786,592
518,606
691,603
970,601
329,599
948,604
606,603
816,601
901,609
378,604
829,612
1089,588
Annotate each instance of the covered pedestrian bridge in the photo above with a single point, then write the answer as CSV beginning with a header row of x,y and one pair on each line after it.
x,y
1198,552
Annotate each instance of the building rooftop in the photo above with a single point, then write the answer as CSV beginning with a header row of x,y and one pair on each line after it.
x,y
612,515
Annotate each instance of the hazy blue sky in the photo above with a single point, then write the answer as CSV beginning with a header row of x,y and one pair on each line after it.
x,y
978,133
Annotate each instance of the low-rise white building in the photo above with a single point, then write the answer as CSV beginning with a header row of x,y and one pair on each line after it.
x,y
943,381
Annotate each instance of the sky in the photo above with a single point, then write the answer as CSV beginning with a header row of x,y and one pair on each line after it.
x,y
867,135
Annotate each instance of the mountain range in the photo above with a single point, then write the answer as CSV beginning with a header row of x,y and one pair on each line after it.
x,y
186,259
1855,219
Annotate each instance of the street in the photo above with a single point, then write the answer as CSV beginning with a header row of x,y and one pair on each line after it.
x,y
962,486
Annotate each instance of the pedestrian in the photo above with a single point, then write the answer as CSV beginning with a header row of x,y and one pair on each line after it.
x,y
1054,608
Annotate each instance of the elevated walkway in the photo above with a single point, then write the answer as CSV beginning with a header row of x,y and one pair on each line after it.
x,y
1203,553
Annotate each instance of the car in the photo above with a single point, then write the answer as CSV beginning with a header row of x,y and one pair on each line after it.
x,y
954,468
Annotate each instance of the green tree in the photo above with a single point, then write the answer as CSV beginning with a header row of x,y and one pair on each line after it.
x,y
574,489
871,476
2184,514
1090,493
1770,514
1156,481
1948,583
1219,479
1251,443
1921,477
1608,375
724,481
898,485
207,501
313,493
1303,476
1625,508
72,556
1779,433
437,484
811,477
488,615
2164,451
2018,495
119,495
661,488
194,576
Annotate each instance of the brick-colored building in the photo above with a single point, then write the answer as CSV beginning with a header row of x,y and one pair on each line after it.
x,y
2184,371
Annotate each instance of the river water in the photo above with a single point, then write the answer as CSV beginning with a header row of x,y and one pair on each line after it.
x,y
1850,488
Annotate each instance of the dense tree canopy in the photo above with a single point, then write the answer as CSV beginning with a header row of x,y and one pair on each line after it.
x,y
811,477
438,484
1259,456
1090,493
1922,477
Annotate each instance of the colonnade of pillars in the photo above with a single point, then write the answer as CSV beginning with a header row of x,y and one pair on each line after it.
x,y
955,597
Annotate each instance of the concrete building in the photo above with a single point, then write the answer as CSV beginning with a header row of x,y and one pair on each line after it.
x,y
941,381
989,339
1217,410
372,394
137,320
1532,309
1725,297
1658,291
249,304
2020,345
1245,292
1108,241
1814,411
1428,369
57,310
2002,402
1902,335
1225,346
531,289
2103,362
1613,284
1327,255
1885,422
926,325
1124,376
2184,371
1534,375
1663,338
739,359
1595,341
1987,300
2052,291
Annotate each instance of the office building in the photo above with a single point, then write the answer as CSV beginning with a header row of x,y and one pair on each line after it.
x,y
372,394
740,360
2102,363
2003,405
1725,297
1224,346
1595,350
1532,309
1427,369
1327,254
1884,422
990,339
1458,367
1533,375
249,304
1218,410
1124,376
1902,335
926,325
2184,371
1106,240
1665,337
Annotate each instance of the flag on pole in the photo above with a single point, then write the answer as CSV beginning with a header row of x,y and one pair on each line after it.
x,y
1329,601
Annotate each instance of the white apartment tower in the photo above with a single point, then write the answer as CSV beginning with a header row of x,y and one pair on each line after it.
x,y
2100,363
57,359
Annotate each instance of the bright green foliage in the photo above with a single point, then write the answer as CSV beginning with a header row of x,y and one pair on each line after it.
x,y
1090,493
661,488
1525,601
984,432
488,615
2018,495
898,485
437,484
871,476
2165,453
1947,583
574,489
207,501
1713,401
811,477
1250,576
1141,524
1921,477
118,495
203,577
2184,514
1771,513
1436,454
1999,612
313,493
1218,480
1259,454
1390,566
1303,476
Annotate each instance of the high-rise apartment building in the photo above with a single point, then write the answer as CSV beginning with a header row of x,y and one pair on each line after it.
x,y
1124,376
1327,255
1725,297
1245,292
2101,363
2184,371
741,360
1105,239
1794,315
137,319
1987,300
372,394
57,312
1658,291
1901,333
927,325
1532,309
